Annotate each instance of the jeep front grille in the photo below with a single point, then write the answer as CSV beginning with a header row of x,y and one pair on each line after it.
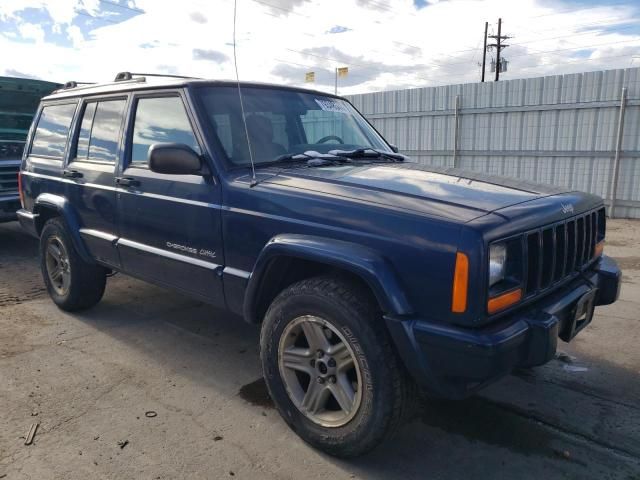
x,y
9,177
557,251
10,154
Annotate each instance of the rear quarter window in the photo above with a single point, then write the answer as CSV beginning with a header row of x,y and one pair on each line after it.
x,y
50,138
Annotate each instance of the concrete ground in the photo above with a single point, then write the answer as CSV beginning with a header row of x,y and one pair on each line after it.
x,y
90,380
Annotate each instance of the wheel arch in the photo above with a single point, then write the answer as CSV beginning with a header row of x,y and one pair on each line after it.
x,y
48,206
288,258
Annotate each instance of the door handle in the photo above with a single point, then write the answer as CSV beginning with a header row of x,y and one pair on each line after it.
x,y
72,174
127,182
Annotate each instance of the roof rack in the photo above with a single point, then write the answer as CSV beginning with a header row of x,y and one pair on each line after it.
x,y
73,84
122,77
126,76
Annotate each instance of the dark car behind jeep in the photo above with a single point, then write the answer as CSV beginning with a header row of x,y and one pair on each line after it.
x,y
19,99
369,274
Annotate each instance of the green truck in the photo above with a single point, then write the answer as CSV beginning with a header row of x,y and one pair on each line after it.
x,y
19,99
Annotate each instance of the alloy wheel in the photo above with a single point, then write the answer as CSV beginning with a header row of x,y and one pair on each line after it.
x,y
58,266
320,371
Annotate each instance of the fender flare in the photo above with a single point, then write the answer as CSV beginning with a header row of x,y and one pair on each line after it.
x,y
70,217
362,261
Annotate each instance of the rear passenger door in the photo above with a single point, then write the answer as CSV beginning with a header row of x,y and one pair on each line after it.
x,y
170,225
90,173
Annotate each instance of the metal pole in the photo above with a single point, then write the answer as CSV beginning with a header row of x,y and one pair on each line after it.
x,y
616,158
484,50
498,48
336,85
455,132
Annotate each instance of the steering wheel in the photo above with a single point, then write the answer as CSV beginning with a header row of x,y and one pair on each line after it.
x,y
330,137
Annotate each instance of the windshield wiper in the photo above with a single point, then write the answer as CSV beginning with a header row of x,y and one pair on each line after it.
x,y
284,158
312,158
369,153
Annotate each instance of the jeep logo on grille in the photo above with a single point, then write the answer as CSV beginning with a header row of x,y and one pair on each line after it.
x,y
566,208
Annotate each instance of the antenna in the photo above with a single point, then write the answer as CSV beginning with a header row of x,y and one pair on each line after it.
x,y
244,119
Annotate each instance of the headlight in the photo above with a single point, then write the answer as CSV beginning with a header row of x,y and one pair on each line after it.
x,y
497,263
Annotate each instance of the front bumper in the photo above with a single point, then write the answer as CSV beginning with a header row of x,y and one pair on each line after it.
x,y
453,362
9,204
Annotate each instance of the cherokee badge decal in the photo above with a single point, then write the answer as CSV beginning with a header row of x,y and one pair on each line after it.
x,y
203,252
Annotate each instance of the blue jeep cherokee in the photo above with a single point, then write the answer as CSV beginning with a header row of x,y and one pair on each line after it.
x,y
369,274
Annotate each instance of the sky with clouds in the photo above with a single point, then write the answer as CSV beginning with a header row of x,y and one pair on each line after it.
x,y
386,44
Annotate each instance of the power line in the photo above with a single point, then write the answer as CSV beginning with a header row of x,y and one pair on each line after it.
x,y
108,20
579,60
573,35
574,10
373,66
529,53
603,22
378,67
583,47
382,6
126,7
85,14
276,7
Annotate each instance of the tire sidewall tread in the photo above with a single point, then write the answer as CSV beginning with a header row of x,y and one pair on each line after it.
x,y
384,380
88,281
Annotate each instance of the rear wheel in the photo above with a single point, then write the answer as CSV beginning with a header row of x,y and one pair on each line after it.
x,y
330,366
72,283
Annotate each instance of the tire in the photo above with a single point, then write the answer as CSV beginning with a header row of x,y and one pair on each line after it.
x,y
72,283
346,315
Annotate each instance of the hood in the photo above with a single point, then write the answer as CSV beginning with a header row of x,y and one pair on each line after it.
x,y
446,192
19,98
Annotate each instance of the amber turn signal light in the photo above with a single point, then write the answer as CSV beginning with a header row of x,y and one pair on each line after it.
x,y
460,284
599,249
504,300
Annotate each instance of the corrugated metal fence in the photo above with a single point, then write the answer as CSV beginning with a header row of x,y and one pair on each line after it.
x,y
563,129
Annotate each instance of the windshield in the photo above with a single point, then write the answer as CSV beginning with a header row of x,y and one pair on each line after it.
x,y
281,122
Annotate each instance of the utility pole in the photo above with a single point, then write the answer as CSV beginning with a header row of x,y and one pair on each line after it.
x,y
484,50
498,46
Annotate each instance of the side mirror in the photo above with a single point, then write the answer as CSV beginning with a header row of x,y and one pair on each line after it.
x,y
394,148
175,159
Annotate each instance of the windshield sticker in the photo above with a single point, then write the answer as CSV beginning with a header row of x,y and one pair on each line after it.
x,y
329,105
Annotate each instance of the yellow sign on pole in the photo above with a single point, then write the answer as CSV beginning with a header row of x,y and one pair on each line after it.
x,y
310,77
343,71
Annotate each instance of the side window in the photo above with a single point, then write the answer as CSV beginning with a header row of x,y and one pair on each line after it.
x,y
50,138
82,150
100,131
160,120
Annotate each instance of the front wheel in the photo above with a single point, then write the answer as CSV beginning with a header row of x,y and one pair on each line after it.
x,y
330,367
